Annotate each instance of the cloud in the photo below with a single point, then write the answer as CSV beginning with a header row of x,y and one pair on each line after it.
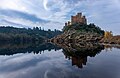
x,y
53,13
21,64
18,14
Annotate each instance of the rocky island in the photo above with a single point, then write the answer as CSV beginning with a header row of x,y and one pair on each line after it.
x,y
78,31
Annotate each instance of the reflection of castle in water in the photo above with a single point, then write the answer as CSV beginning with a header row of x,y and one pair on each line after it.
x,y
80,55
78,61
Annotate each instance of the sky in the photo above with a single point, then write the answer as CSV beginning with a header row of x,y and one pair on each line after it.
x,y
52,14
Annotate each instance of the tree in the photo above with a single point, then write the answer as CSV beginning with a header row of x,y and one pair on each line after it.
x,y
108,35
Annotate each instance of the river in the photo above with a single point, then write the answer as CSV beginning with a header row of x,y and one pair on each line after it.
x,y
51,61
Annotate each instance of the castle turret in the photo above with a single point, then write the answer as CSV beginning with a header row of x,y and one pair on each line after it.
x,y
69,23
65,24
79,15
84,20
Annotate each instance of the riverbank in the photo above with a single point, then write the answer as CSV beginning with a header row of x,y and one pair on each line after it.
x,y
111,40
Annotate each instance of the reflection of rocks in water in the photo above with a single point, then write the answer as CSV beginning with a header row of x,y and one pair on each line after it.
x,y
78,54
110,46
10,49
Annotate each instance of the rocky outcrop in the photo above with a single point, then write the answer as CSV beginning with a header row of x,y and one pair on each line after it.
x,y
72,36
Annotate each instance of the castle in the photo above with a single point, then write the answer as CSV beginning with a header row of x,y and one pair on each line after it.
x,y
77,19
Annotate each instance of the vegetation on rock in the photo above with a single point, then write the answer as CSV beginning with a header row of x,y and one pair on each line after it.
x,y
91,28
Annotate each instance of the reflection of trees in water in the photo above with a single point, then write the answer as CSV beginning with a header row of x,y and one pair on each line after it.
x,y
78,55
10,48
108,47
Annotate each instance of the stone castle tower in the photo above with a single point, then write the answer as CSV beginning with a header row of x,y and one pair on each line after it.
x,y
77,19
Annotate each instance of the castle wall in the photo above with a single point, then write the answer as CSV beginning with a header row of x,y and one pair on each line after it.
x,y
78,19
73,19
83,20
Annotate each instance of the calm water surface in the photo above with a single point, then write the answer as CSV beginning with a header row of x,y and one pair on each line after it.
x,y
47,61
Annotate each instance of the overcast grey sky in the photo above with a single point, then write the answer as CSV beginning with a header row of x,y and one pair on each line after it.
x,y
53,13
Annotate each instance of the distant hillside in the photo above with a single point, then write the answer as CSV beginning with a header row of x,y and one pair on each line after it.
x,y
12,34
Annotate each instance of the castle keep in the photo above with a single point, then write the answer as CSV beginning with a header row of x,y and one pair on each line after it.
x,y
77,19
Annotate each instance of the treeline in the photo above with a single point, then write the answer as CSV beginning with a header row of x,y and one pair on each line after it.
x,y
12,34
91,28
